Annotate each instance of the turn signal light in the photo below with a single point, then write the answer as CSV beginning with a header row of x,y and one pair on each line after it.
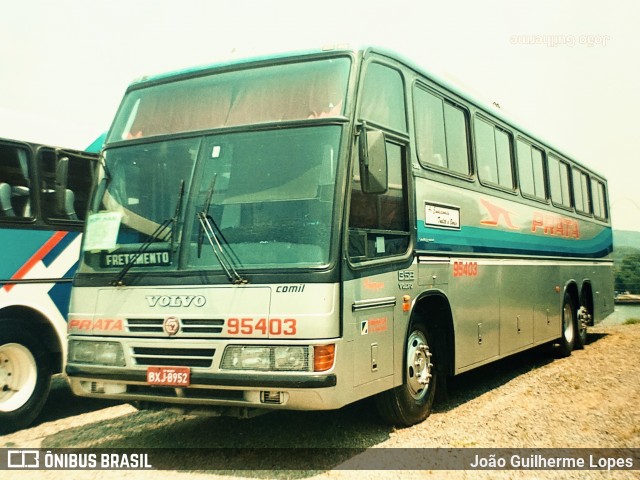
x,y
323,357
406,303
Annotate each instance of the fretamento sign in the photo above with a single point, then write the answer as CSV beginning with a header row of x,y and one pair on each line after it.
x,y
149,259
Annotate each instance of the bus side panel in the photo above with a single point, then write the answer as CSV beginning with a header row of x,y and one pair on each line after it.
x,y
509,264
475,306
38,256
373,320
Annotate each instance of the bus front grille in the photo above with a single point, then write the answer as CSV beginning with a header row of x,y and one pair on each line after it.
x,y
189,326
177,357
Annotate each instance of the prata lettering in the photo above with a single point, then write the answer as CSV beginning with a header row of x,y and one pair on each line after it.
x,y
555,225
106,324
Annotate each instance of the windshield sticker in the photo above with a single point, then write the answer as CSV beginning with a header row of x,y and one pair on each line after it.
x,y
102,231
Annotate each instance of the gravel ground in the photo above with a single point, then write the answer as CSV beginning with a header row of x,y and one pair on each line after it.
x,y
589,399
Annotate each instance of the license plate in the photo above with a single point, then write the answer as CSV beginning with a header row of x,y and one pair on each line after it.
x,y
169,376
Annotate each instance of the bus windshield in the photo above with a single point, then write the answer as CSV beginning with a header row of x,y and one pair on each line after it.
x,y
294,91
269,194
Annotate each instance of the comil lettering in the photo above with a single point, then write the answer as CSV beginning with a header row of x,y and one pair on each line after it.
x,y
176,300
290,288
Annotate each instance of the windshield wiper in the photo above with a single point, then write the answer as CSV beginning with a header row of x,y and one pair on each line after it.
x,y
161,233
207,204
208,227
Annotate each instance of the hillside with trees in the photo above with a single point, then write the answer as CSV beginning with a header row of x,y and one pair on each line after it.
x,y
626,257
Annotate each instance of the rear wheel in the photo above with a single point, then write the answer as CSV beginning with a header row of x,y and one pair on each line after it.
x,y
24,377
411,402
569,327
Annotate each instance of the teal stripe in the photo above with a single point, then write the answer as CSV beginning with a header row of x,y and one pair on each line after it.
x,y
484,240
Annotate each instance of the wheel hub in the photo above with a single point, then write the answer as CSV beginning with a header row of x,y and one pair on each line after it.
x,y
18,376
418,365
5,373
584,317
567,318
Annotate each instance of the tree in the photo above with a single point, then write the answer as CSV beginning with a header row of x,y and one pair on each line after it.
x,y
627,274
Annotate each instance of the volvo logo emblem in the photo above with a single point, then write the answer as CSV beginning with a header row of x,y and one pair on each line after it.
x,y
171,326
176,300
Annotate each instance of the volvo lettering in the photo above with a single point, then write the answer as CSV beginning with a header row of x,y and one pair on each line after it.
x,y
176,300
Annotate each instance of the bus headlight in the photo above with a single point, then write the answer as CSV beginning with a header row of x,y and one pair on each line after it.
x,y
97,353
267,358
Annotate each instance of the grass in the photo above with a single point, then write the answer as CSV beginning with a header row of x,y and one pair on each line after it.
x,y
632,321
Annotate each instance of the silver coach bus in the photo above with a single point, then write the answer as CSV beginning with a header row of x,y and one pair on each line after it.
x,y
304,231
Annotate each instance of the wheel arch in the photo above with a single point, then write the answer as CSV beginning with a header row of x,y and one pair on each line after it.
x,y
433,310
38,326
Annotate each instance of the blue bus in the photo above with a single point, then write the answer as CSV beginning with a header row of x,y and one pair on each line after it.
x,y
44,194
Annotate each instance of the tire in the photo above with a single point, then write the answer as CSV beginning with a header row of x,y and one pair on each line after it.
x,y
411,402
582,320
569,333
25,376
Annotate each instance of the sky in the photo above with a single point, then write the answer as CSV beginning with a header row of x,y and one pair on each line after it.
x,y
565,69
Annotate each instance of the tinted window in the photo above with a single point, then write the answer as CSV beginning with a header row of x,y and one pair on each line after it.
x,y
441,132
531,170
559,182
66,181
581,191
493,149
295,91
598,195
383,97
379,224
15,186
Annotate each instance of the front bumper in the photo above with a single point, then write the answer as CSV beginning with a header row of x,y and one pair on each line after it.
x,y
250,391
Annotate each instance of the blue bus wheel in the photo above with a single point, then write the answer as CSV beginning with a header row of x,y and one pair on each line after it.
x,y
24,376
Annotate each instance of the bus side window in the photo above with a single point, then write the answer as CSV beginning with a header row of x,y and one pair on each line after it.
x,y
494,154
15,199
599,199
379,224
559,182
72,202
441,132
383,97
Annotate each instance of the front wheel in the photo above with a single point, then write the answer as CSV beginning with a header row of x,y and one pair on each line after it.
x,y
411,402
24,377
